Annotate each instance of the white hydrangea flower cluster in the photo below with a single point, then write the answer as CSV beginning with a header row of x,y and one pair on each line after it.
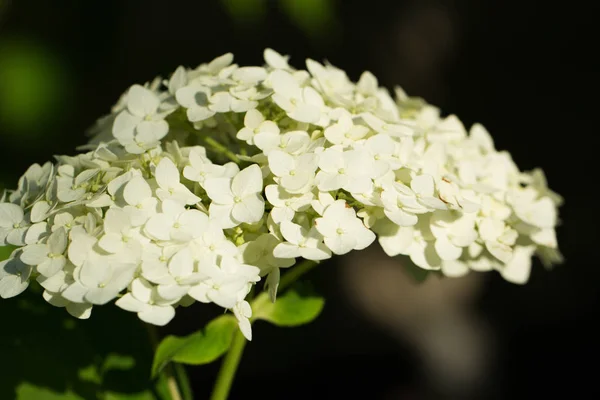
x,y
197,187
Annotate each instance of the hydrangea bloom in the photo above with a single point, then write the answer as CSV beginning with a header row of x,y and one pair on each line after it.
x,y
197,187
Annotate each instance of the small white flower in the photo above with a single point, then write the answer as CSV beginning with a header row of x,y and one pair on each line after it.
x,y
182,275
225,281
302,104
254,123
73,188
450,129
450,193
169,185
14,277
175,223
498,238
518,268
342,230
393,238
155,263
243,312
150,313
301,243
452,233
32,184
259,253
201,168
345,132
293,142
246,98
331,81
381,149
539,213
77,310
280,198
294,174
58,282
349,170
99,280
380,126
402,203
13,225
195,98
120,236
141,126
545,237
40,211
276,60
49,257
213,242
141,205
217,65
323,200
237,200
249,76
178,80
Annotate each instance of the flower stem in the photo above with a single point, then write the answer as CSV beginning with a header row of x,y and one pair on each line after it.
x,y
168,371
218,147
172,384
234,355
295,273
229,367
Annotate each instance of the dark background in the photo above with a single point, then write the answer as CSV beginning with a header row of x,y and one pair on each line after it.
x,y
524,69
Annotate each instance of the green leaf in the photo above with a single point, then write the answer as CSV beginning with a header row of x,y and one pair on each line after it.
x,y
201,347
290,309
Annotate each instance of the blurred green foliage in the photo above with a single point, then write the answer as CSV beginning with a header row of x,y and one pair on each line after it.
x,y
314,17
49,355
32,88
317,19
246,12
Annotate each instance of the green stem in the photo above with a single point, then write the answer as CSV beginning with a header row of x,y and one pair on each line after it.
x,y
296,272
229,367
168,371
172,384
222,149
234,355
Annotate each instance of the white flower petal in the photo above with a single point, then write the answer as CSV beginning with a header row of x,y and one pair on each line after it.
x,y
219,190
157,315
247,182
166,174
250,210
124,127
141,101
159,227
446,250
423,185
34,254
136,191
79,310
129,303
